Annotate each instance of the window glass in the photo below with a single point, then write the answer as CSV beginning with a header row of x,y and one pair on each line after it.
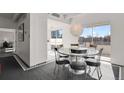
x,y
86,34
101,34
56,34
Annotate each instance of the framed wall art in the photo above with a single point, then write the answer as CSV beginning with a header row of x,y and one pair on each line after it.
x,y
21,33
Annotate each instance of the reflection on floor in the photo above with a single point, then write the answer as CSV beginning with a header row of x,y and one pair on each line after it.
x,y
13,71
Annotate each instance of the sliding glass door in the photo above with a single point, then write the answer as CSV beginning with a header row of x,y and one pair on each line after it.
x,y
99,35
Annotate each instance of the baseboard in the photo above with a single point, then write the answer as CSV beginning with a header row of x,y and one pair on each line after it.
x,y
25,67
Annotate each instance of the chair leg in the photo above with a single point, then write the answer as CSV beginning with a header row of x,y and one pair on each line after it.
x,y
94,71
100,73
89,70
85,73
100,70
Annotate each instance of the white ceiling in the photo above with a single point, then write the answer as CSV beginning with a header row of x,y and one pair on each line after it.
x,y
65,17
70,15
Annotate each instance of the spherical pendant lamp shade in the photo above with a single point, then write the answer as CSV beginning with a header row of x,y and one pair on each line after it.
x,y
76,29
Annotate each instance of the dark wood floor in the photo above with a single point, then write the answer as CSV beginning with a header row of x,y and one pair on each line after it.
x,y
12,71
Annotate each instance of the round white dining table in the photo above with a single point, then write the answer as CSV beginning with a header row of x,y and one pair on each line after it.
x,y
67,51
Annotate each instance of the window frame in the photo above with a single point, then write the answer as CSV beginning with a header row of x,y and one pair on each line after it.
x,y
96,25
57,34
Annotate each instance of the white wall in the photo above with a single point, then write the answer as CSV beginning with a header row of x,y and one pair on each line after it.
x,y
7,23
117,33
34,48
67,38
23,48
38,38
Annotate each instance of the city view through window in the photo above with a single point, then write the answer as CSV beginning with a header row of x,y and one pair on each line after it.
x,y
98,35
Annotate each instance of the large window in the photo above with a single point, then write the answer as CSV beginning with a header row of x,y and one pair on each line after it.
x,y
56,34
86,35
56,38
99,35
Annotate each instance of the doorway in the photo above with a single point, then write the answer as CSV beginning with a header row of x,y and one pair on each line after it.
x,y
7,36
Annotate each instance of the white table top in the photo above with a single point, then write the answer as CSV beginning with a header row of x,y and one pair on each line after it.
x,y
67,51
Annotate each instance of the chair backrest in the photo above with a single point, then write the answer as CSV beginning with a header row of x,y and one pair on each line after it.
x,y
56,53
56,49
78,51
99,54
74,44
100,51
93,46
